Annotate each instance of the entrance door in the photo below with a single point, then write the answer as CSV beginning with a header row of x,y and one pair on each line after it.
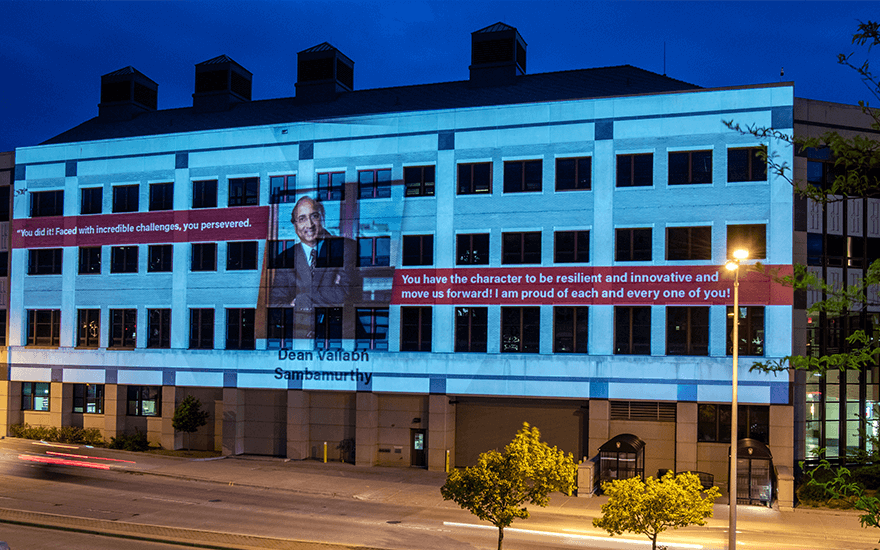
x,y
418,449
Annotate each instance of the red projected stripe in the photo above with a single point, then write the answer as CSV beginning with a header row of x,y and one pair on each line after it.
x,y
63,462
90,457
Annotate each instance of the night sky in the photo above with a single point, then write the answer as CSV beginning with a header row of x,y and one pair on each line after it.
x,y
52,54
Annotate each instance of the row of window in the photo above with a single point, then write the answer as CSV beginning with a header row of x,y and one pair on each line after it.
x,y
520,176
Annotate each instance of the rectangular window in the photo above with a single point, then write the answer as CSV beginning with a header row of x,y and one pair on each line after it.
x,y
751,330
44,326
279,258
124,259
144,400
204,257
570,329
418,181
47,203
244,191
125,198
752,237
415,329
520,329
747,164
713,423
161,196
328,328
4,262
632,330
632,245
282,189
279,327
331,186
374,184
160,258
690,167
571,247
471,329
44,261
241,256
205,194
240,328
5,203
635,170
475,178
123,328
521,176
35,396
331,253
89,260
418,249
201,328
91,200
689,243
88,398
159,328
371,331
88,330
574,174
3,313
374,251
472,249
687,331
521,248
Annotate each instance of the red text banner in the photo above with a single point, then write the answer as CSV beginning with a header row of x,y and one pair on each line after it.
x,y
210,224
645,285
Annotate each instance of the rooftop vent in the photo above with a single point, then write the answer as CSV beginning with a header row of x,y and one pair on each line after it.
x,y
498,55
221,83
126,93
322,72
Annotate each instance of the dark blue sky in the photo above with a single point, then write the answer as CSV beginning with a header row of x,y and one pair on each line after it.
x,y
52,54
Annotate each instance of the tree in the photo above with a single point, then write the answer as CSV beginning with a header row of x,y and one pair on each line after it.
x,y
498,487
189,416
654,506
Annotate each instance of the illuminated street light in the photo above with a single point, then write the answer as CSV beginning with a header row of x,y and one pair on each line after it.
x,y
733,265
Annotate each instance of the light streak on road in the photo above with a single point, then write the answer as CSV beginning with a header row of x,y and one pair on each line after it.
x,y
62,462
56,453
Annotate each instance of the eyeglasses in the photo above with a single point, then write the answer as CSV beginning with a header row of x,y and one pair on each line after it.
x,y
302,218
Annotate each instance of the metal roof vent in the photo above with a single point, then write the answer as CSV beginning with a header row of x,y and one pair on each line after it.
x,y
221,83
126,93
322,72
498,55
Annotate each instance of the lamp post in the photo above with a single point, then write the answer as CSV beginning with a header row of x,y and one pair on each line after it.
x,y
733,265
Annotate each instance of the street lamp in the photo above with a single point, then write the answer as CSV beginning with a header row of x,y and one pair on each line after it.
x,y
733,265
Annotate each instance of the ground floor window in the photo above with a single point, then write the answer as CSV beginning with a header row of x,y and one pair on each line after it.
x,y
88,398
35,396
713,424
144,400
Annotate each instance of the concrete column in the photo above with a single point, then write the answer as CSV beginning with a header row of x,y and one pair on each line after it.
x,y
782,448
60,404
367,429
233,421
298,424
686,437
600,427
160,429
441,433
115,409
10,405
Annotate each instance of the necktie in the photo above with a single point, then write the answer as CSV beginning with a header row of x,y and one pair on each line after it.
x,y
313,256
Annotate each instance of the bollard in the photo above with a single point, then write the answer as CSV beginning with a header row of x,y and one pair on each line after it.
x,y
447,461
325,452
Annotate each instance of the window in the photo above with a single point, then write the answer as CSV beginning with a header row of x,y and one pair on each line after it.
x,y
161,196
44,261
747,164
632,245
44,326
89,260
331,252
570,329
374,251
522,176
201,329
241,256
277,257
632,330
159,328
471,329
124,259
689,243
328,328
144,400
475,179
279,327
371,331
687,331
91,200
418,249
571,247
574,174
713,423
687,167
240,328
205,194
2,327
160,258
751,330
635,170
418,181
331,186
35,396
88,328
752,237
520,329
282,189
415,329
5,202
47,203
123,328
521,248
472,249
204,257
4,262
374,184
244,191
125,198
88,398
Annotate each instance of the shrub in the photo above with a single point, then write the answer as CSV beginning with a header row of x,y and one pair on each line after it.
x,y
130,442
869,476
65,434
